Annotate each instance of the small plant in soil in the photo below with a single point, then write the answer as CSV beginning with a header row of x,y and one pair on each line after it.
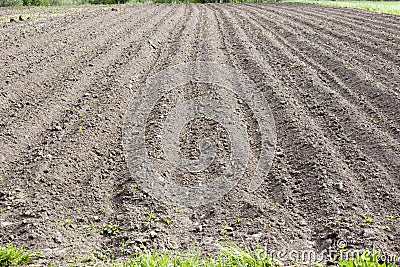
x,y
3,210
65,223
367,219
99,211
120,191
167,221
15,256
111,229
151,217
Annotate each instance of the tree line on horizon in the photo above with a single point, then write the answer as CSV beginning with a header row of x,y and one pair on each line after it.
x,y
5,3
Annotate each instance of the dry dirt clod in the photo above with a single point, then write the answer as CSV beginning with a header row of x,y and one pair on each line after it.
x,y
198,228
57,128
56,240
153,234
152,44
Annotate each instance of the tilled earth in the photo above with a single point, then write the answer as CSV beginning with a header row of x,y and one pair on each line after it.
x,y
332,79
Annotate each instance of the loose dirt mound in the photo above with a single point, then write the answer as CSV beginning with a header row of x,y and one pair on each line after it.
x,y
331,77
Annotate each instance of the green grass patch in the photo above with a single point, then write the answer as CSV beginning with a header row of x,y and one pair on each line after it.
x,y
370,258
229,255
15,256
388,7
208,1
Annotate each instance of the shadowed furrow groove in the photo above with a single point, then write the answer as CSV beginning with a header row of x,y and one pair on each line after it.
x,y
374,18
344,33
374,25
41,87
36,122
361,174
53,68
340,162
329,69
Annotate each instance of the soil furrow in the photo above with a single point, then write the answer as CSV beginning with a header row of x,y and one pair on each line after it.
x,y
335,44
54,44
63,70
364,15
37,31
240,58
367,57
374,27
362,41
388,38
372,136
316,80
110,102
52,68
324,144
214,41
43,116
371,100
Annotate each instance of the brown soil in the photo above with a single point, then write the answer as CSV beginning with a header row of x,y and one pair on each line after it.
x,y
331,76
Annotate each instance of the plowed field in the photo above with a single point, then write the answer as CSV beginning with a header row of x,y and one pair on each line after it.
x,y
332,80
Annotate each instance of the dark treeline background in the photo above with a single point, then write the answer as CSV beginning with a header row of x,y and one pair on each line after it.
x,y
57,2
212,1
81,2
